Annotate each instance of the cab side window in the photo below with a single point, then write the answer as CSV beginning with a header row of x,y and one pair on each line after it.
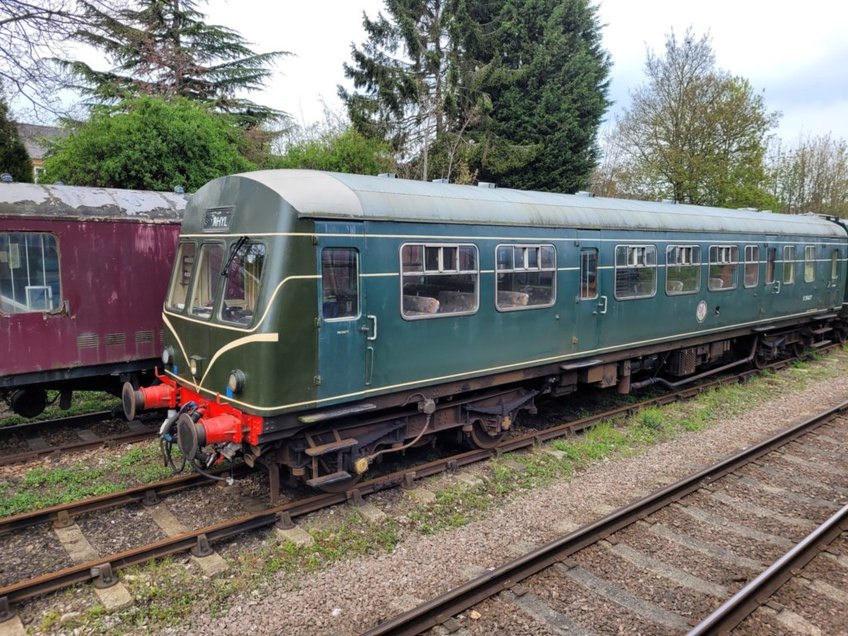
x,y
207,279
339,283
181,277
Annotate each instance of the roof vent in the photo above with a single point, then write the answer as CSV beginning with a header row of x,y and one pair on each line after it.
x,y
672,201
487,184
6,177
441,180
58,183
388,175
583,193
748,209
179,189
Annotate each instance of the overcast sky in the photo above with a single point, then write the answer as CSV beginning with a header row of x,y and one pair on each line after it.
x,y
795,53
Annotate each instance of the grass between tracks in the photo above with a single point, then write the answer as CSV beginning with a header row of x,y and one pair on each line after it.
x,y
168,593
42,486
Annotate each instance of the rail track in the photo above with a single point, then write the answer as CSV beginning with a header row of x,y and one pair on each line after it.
x,y
101,569
537,583
76,435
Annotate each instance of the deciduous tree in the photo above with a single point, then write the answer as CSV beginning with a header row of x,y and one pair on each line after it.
x,y
811,175
694,132
149,143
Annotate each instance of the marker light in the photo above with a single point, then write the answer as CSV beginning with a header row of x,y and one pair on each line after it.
x,y
167,356
236,380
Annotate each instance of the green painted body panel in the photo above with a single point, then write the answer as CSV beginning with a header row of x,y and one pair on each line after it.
x,y
276,372
295,360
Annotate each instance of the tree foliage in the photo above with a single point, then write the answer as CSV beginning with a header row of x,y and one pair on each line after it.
x,y
345,151
546,77
694,132
14,159
508,90
407,76
164,48
811,175
148,143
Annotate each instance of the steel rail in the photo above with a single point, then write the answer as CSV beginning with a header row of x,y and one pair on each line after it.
x,y
61,514
757,592
68,422
451,603
120,438
284,513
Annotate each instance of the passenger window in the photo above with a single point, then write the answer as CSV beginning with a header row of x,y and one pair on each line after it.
x,y
724,267
809,263
588,273
752,265
789,265
206,280
525,276
683,269
438,280
635,271
242,287
771,265
29,273
339,283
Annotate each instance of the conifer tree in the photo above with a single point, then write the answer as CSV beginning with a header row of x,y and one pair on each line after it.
x,y
164,48
14,159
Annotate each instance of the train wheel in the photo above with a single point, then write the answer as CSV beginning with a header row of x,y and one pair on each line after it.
x,y
481,438
28,402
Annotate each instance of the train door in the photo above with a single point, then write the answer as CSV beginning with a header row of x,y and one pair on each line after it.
x,y
591,298
344,328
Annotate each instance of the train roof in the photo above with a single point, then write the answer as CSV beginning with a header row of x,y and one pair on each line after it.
x,y
90,204
316,194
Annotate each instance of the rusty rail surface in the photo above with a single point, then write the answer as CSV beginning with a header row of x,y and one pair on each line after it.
x,y
283,514
442,608
72,421
757,592
32,429
62,514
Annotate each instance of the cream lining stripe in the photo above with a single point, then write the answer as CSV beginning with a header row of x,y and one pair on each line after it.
x,y
526,363
261,337
589,239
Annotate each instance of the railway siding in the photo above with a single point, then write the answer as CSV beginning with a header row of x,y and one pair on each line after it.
x,y
475,548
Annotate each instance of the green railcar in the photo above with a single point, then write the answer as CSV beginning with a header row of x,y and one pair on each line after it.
x,y
315,320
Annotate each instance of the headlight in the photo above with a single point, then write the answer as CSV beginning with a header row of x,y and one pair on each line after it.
x,y
194,366
167,356
236,381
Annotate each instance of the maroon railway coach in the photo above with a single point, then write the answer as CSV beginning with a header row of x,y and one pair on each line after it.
x,y
82,275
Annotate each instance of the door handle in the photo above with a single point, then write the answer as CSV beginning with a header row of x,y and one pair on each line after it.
x,y
602,305
373,335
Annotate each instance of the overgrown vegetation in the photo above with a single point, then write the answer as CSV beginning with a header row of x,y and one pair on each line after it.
x,y
42,486
167,594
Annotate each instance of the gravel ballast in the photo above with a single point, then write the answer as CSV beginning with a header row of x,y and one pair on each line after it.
x,y
354,595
